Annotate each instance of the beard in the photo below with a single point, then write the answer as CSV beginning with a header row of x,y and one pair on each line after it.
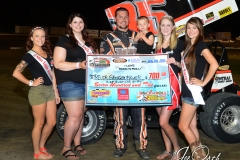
x,y
122,27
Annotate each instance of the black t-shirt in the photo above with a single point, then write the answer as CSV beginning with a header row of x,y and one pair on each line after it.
x,y
199,69
36,68
78,55
143,47
176,54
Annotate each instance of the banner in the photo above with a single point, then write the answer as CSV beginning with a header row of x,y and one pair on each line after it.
x,y
128,80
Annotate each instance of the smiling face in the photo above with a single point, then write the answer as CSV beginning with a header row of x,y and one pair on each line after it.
x,y
142,25
77,25
192,31
38,37
122,20
166,27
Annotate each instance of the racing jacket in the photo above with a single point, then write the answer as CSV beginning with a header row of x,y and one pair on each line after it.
x,y
116,39
109,42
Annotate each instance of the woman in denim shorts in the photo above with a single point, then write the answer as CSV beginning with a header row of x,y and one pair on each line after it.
x,y
43,92
196,75
70,69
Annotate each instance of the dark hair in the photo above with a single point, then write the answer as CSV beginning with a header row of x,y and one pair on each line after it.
x,y
191,62
121,9
47,46
85,36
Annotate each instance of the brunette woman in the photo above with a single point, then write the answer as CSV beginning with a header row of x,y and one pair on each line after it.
x,y
196,74
70,69
43,94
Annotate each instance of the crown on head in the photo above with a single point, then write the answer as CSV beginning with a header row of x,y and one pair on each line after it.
x,y
36,28
167,16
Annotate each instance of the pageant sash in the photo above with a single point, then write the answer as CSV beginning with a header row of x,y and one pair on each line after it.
x,y
43,63
194,89
84,47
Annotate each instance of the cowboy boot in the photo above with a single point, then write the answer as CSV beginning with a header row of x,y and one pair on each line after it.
x,y
201,152
194,151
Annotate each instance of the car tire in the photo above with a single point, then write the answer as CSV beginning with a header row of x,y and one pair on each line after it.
x,y
93,127
221,117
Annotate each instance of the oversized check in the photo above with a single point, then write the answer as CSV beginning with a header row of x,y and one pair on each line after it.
x,y
128,80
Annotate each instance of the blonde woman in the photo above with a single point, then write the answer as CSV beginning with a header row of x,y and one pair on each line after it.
x,y
168,43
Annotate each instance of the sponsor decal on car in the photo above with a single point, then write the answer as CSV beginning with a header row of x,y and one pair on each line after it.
x,y
180,29
222,79
210,20
225,12
210,17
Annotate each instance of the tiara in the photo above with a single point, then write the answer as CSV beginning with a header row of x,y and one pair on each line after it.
x,y
167,16
36,28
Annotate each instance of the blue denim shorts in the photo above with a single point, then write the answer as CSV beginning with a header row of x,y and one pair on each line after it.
x,y
189,100
71,91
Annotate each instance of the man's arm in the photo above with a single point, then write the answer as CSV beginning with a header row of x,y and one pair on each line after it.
x,y
104,46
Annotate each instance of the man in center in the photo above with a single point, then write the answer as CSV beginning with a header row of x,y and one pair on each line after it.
x,y
123,37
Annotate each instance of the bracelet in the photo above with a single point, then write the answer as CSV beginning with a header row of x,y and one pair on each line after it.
x,y
30,83
77,65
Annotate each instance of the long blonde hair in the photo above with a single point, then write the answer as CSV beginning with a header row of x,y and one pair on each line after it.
x,y
173,38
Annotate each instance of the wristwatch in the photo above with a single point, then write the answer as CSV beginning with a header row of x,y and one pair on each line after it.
x,y
30,83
